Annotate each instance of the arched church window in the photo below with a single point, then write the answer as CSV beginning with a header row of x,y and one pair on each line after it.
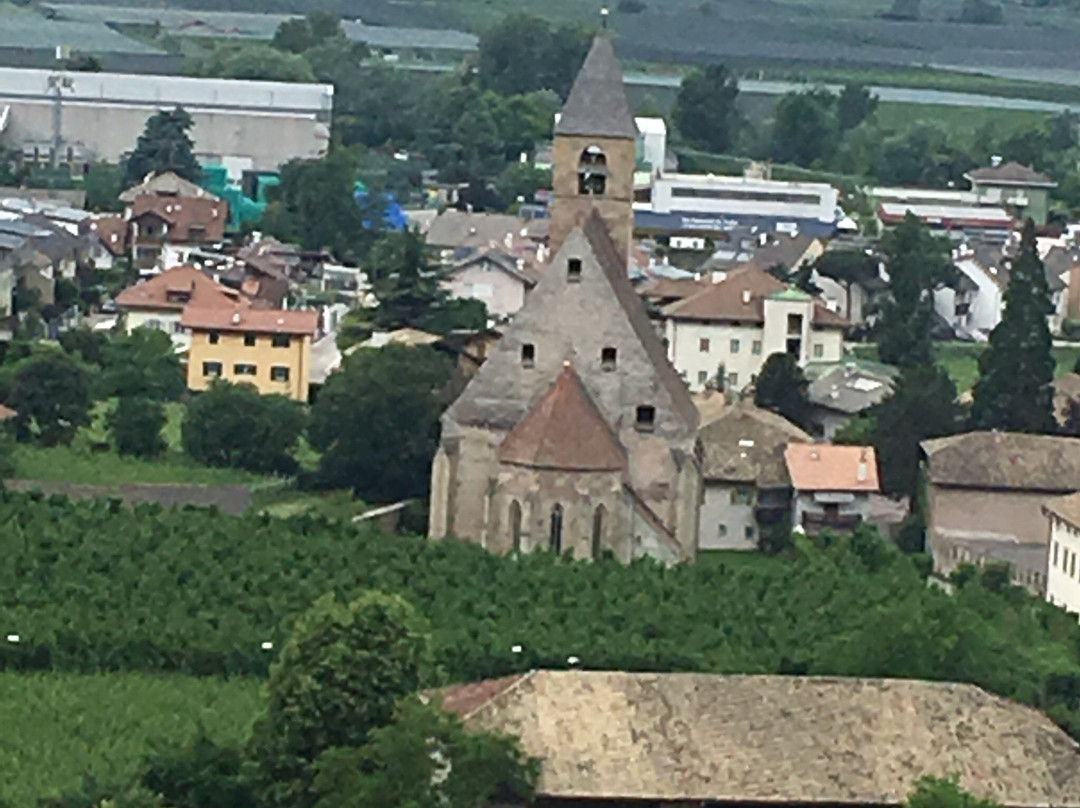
x,y
555,539
592,172
598,532
515,526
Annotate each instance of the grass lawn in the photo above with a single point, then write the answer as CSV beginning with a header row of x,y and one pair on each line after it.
x,y
79,463
961,360
962,122
58,727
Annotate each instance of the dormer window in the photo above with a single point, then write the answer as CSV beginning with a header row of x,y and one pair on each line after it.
x,y
592,172
573,270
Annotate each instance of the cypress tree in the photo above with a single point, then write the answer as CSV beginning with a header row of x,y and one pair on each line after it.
x,y
1016,373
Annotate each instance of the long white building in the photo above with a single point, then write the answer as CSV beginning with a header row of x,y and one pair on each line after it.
x,y
241,124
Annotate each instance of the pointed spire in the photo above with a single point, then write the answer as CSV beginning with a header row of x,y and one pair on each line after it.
x,y
597,104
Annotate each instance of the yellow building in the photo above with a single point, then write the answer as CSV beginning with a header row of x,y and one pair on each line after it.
x,y
269,349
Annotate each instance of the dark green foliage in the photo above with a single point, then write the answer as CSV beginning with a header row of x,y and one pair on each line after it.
x,y
86,345
376,422
922,406
523,53
141,364
255,61
199,592
982,12
854,105
135,426
164,145
1015,389
804,127
705,112
51,396
201,774
938,792
397,767
337,680
103,183
7,452
231,425
917,262
83,63
782,387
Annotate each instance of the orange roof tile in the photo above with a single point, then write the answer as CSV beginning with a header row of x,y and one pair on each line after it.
x,y
112,231
185,215
825,467
172,283
243,317
6,413
564,430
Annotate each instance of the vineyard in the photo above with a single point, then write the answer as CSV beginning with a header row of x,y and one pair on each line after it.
x,y
91,587
60,727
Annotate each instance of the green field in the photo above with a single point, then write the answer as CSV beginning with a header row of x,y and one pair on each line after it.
x,y
960,121
59,727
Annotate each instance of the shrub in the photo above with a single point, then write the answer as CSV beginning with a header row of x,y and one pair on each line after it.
x,y
135,426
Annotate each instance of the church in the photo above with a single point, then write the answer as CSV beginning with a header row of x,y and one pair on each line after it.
x,y
577,434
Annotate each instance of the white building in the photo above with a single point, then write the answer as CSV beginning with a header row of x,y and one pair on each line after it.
x,y
1063,573
651,142
498,280
974,307
832,484
722,335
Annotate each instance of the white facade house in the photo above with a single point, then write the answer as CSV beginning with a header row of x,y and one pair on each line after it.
x,y
1063,567
651,142
721,337
832,485
499,281
975,307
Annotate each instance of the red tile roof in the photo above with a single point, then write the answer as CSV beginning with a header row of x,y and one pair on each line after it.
x,y
185,215
564,430
6,413
243,317
175,283
740,298
824,467
112,231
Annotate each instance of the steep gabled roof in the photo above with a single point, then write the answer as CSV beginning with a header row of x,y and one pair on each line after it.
x,y
174,289
168,183
597,104
596,231
746,444
1005,461
564,430
783,740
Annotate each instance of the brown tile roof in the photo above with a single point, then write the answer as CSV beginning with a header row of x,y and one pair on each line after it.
x,y
1010,174
825,467
614,267
243,317
1005,460
6,413
453,229
166,184
740,298
597,104
1067,508
782,250
185,215
670,290
173,289
564,430
772,739
746,444
112,231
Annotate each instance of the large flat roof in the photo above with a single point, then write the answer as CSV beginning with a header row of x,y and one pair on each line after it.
x,y
34,32
169,91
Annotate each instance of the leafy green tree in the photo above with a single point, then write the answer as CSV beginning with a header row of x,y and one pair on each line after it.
x,y
1063,131
336,682
1016,372
103,183
782,387
944,792
51,398
847,267
233,426
520,181
83,63
705,111
254,61
854,105
87,345
200,774
141,364
522,53
7,453
164,145
917,262
804,127
376,422
293,35
398,767
135,426
922,406
405,281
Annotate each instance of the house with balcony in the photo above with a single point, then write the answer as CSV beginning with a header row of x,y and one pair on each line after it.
x,y
721,336
832,485
1021,190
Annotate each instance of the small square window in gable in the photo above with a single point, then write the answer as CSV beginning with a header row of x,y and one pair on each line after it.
x,y
528,355
573,270
608,359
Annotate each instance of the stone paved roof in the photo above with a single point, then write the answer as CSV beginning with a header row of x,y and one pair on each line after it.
x,y
746,444
1005,460
1010,174
597,102
772,739
564,430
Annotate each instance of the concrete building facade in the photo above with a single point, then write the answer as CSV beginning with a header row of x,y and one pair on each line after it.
x,y
103,114
1062,576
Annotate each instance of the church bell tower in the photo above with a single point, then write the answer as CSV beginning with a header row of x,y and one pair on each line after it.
x,y
595,152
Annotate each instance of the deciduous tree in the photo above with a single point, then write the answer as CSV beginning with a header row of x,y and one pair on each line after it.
x,y
141,364
51,398
854,105
1016,372
135,426
804,127
705,111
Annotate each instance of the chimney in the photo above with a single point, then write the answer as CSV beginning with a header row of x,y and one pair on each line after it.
x,y
745,296
864,470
